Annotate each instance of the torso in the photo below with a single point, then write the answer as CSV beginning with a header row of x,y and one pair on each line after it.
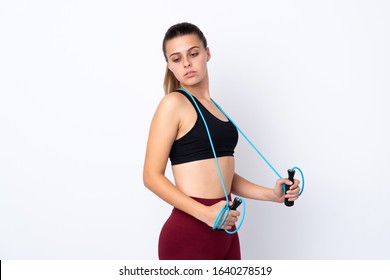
x,y
200,178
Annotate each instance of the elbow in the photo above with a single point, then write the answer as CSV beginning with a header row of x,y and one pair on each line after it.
x,y
146,178
153,175
150,178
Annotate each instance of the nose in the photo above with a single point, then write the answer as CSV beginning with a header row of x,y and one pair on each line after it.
x,y
186,62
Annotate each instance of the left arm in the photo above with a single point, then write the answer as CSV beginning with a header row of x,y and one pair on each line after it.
x,y
245,188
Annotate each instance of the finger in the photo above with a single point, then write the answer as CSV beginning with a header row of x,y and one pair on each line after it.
x,y
234,213
294,191
231,220
284,181
296,184
226,227
292,194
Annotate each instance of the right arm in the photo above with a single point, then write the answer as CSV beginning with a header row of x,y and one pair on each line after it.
x,y
163,130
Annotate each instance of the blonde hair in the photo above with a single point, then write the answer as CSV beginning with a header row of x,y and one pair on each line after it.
x,y
177,30
170,81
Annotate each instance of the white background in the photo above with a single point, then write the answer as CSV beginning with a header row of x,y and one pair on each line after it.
x,y
308,81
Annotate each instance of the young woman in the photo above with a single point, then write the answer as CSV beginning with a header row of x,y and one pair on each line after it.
x,y
177,132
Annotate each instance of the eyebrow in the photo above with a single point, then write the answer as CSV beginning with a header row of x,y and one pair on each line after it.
x,y
187,50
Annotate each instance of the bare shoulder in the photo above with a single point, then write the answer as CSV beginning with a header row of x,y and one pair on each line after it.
x,y
164,128
172,104
175,99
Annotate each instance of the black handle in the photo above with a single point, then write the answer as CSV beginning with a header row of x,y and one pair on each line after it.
x,y
291,174
236,202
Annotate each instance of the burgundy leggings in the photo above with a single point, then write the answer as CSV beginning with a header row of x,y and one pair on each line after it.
x,y
185,238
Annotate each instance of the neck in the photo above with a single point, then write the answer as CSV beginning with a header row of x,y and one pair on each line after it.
x,y
200,90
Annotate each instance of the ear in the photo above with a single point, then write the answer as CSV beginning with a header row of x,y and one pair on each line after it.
x,y
208,54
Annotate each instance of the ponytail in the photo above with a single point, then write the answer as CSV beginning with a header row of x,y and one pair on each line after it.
x,y
170,82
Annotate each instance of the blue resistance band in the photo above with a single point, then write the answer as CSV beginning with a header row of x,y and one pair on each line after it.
x,y
224,213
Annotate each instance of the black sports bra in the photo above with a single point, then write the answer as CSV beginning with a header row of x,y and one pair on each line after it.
x,y
195,145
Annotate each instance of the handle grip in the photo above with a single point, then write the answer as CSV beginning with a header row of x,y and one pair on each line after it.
x,y
291,174
236,202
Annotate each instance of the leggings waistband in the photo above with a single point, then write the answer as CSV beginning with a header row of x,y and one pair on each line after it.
x,y
210,201
204,201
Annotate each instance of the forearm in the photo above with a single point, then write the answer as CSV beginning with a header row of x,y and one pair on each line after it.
x,y
244,188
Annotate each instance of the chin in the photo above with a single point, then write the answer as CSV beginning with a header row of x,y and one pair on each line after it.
x,y
190,83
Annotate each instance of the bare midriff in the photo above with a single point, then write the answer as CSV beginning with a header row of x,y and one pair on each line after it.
x,y
201,178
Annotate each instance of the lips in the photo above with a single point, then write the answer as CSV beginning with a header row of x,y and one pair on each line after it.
x,y
190,74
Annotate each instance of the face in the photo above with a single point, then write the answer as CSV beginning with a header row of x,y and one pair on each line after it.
x,y
187,59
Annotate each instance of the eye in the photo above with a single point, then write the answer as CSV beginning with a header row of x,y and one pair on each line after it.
x,y
195,54
176,59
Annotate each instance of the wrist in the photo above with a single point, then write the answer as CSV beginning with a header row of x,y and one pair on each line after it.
x,y
202,213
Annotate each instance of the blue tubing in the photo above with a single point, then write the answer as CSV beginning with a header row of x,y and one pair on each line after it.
x,y
224,213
